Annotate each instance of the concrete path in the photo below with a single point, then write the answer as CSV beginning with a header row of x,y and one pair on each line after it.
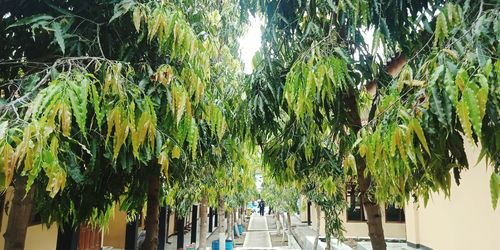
x,y
257,236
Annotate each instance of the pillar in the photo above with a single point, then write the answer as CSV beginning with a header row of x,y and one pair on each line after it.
x,y
179,224
67,238
194,223
309,213
162,228
131,234
210,220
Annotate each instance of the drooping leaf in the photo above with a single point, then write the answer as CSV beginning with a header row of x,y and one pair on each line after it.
x,y
31,20
495,189
176,152
58,34
136,16
474,111
420,134
463,116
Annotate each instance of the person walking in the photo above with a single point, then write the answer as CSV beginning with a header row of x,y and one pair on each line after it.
x,y
262,205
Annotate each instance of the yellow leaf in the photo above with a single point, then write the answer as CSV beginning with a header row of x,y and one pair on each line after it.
x,y
137,18
6,165
164,162
482,99
362,150
420,134
463,116
176,152
65,118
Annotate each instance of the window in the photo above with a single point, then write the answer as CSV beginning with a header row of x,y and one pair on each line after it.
x,y
394,214
355,210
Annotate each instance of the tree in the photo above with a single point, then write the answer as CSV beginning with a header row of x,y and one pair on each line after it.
x,y
129,90
316,68
281,199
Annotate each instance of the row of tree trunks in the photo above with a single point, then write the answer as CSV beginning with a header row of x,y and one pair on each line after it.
x,y
22,203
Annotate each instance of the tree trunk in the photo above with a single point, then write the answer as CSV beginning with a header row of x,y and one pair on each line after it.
x,y
229,227
203,221
278,222
19,215
235,223
372,208
374,220
222,224
289,221
152,214
318,226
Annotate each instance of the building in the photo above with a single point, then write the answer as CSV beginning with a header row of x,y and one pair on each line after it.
x,y
465,220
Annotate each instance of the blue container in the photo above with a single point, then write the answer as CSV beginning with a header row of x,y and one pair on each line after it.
x,y
229,245
240,228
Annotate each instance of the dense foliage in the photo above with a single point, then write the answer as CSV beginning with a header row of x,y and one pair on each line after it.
x,y
101,100
398,111
141,88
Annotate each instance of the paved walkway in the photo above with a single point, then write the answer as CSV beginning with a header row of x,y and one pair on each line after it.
x,y
257,236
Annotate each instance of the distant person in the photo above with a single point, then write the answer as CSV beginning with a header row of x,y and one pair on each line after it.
x,y
262,205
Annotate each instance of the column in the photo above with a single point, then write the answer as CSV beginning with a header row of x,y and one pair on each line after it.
x,y
179,224
194,223
162,228
131,234
210,220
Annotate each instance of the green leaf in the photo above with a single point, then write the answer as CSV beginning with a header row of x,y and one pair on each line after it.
x,y
441,29
495,189
58,34
438,106
31,20
474,111
121,8
463,116
482,95
420,134
450,87
96,105
78,98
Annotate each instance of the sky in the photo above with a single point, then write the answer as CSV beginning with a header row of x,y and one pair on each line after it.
x,y
250,42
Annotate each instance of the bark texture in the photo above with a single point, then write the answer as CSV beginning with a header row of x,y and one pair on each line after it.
x,y
19,215
152,214
372,208
289,219
222,224
318,226
203,222
278,222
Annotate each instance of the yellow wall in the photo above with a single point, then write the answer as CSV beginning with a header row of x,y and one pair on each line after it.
x,y
464,221
38,237
115,235
392,230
